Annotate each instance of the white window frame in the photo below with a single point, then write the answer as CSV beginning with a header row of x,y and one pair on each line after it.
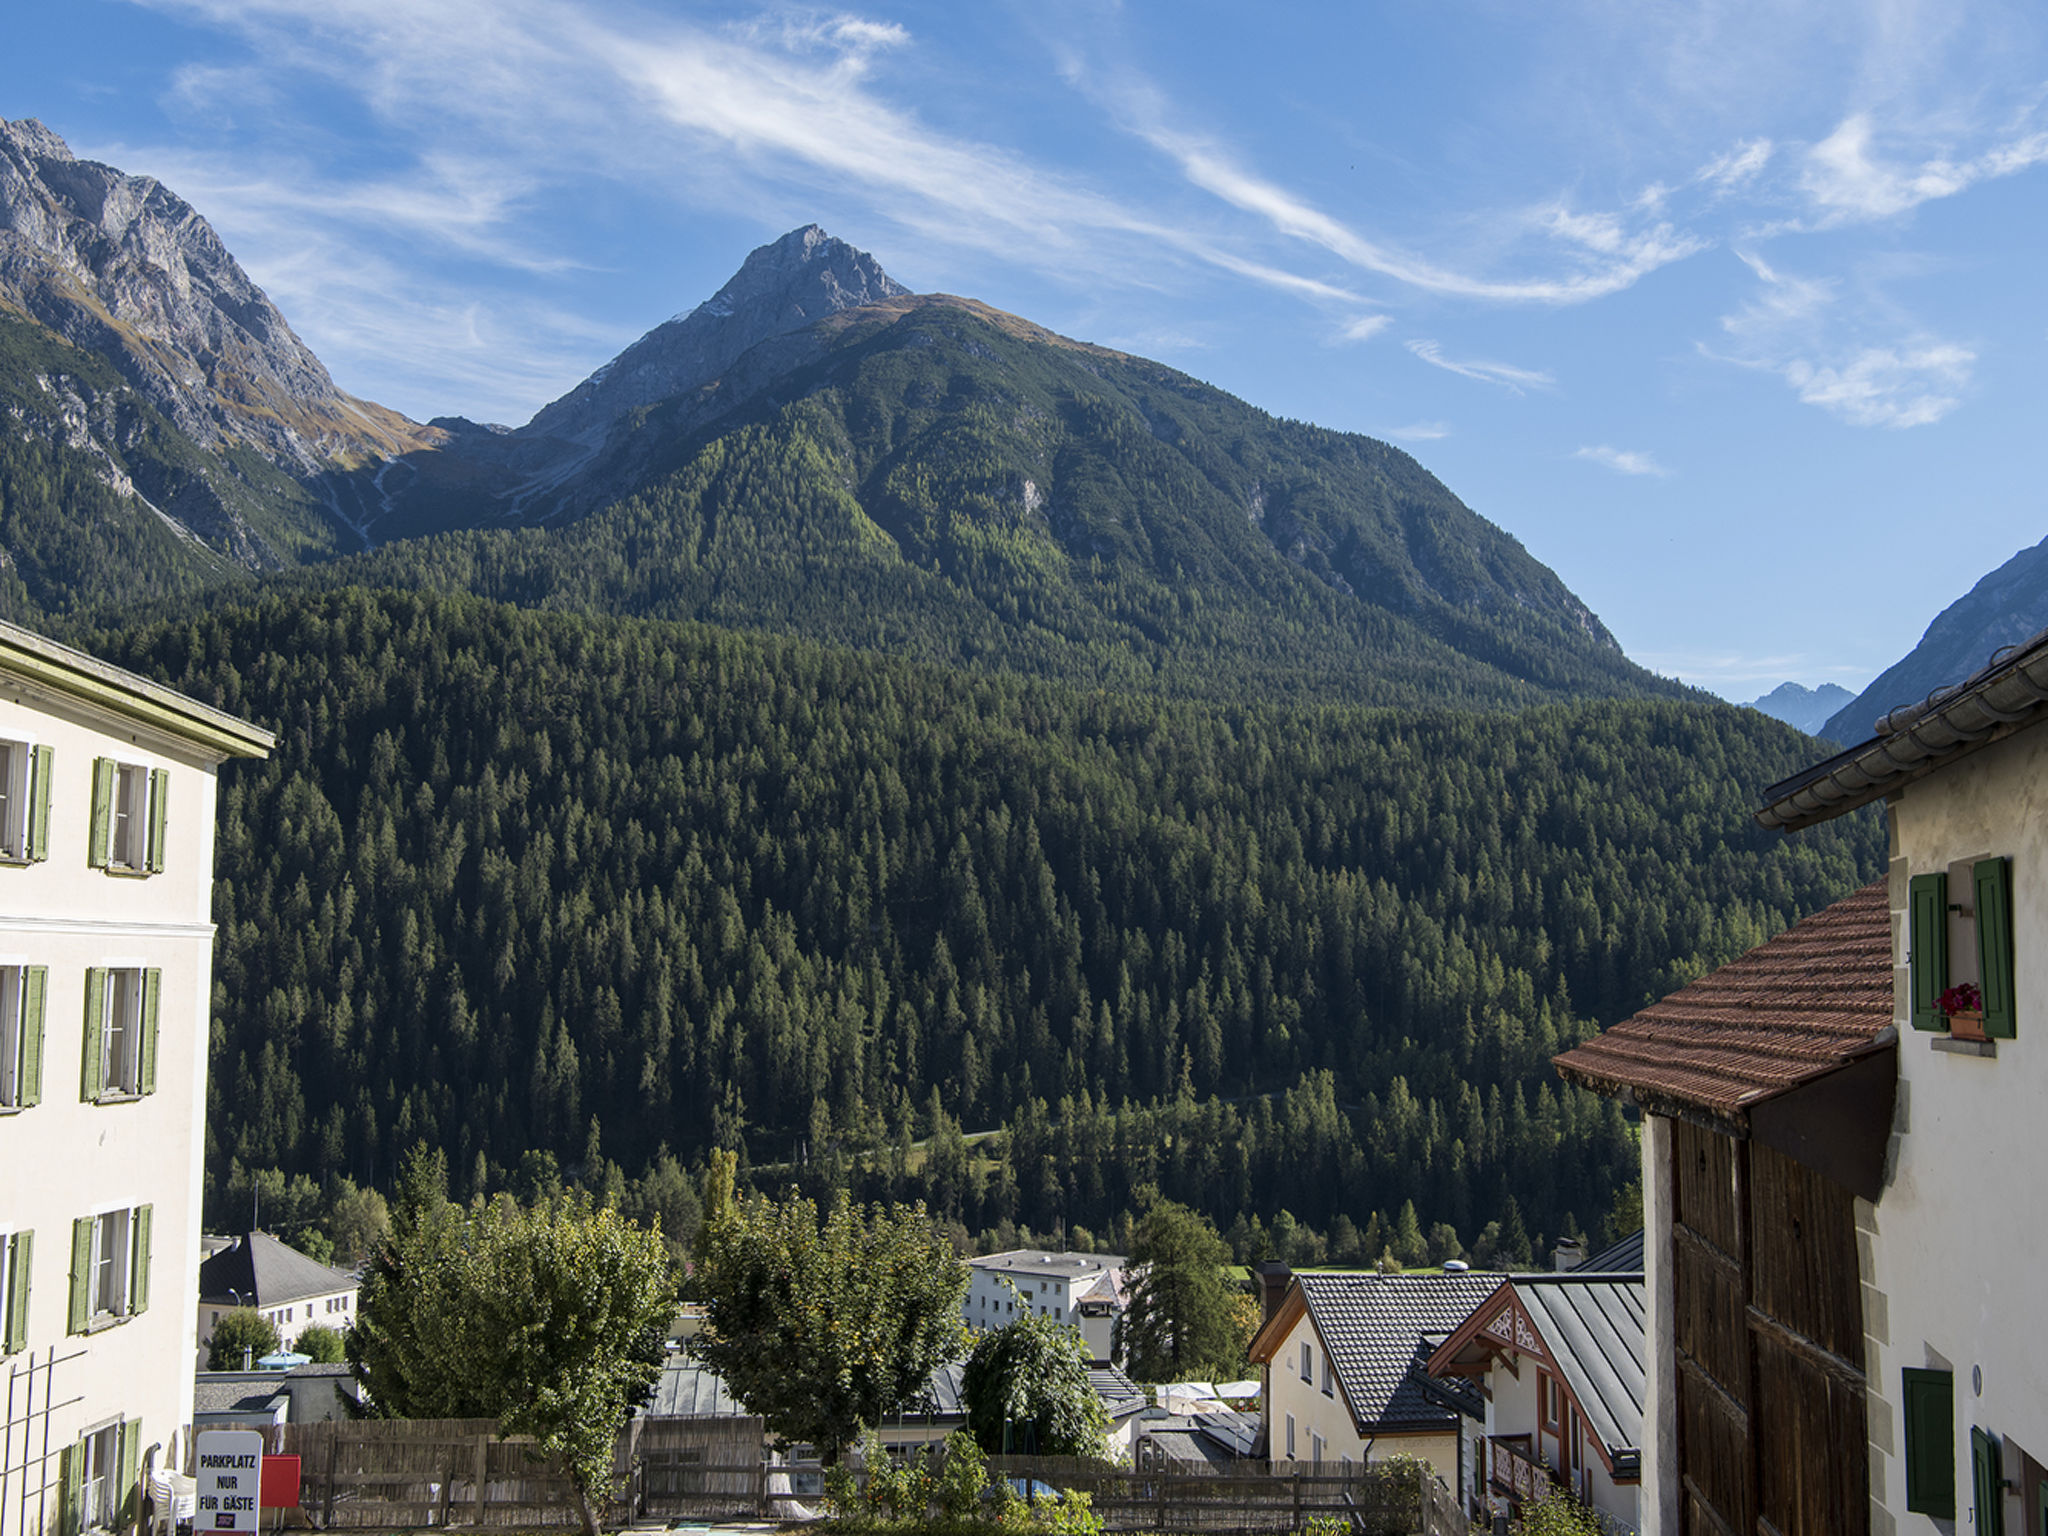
x,y
112,1283
99,1451
1316,1446
1308,1364
121,1030
1329,1377
8,1280
13,1031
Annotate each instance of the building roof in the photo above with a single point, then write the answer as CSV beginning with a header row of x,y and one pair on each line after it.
x,y
2007,695
687,1389
260,1271
42,662
1792,1010
235,1392
1625,1257
1589,1328
1379,1329
1020,1262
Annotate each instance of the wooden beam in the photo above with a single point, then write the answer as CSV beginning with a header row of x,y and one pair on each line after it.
x,y
1811,1352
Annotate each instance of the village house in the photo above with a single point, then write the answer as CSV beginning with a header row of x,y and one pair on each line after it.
x,y
1558,1359
1341,1356
107,785
1838,1131
292,1290
1082,1290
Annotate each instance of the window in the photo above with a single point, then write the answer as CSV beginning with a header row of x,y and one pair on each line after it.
x,y
24,802
1307,1365
16,1250
1290,1437
99,1477
1550,1400
120,1032
1329,1379
1316,1445
128,809
109,1267
1930,1417
21,1035
1953,941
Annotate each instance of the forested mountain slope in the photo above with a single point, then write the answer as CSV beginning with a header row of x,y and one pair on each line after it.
x,y
929,477
511,872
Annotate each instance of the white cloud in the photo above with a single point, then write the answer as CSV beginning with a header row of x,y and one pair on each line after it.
x,y
1888,387
1514,380
1738,167
1847,181
1419,432
1790,328
1623,461
1365,327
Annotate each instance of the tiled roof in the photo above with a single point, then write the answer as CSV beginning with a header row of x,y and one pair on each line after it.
x,y
1380,1328
260,1271
1594,1327
1814,998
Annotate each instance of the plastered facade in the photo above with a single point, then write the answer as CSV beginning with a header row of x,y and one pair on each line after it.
x,y
1955,1250
65,1158
1316,1413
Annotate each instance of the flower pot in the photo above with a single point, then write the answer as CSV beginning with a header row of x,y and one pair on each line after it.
x,y
1967,1024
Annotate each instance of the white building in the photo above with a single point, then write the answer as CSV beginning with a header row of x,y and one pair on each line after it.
x,y
106,948
292,1290
1082,1290
1845,1238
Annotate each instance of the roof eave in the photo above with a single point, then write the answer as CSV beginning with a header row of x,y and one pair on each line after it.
x,y
45,663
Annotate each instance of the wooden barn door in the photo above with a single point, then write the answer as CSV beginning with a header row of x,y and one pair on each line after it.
x,y
1771,1427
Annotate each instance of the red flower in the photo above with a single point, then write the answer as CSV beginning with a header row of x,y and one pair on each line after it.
x,y
1964,998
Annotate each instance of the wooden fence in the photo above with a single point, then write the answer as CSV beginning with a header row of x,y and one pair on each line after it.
x,y
397,1474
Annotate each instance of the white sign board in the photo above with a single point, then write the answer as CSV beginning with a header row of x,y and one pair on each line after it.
x,y
230,1473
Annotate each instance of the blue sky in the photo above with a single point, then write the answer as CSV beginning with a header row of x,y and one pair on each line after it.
x,y
1732,312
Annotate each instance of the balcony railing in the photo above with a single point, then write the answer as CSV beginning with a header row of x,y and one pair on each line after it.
x,y
1514,1472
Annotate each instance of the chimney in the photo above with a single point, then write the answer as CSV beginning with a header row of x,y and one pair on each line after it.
x,y
1569,1254
1274,1278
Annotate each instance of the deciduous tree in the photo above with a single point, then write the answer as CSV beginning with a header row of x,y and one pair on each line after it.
x,y
1028,1391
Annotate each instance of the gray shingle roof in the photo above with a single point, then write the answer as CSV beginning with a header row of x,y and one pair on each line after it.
x,y
1594,1327
260,1271
1624,1258
1379,1329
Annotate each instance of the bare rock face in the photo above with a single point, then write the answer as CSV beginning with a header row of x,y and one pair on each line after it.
x,y
122,267
795,282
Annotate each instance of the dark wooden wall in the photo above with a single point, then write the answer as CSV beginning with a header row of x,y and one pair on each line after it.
x,y
1771,1429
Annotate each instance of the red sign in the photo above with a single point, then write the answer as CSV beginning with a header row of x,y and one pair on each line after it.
x,y
280,1487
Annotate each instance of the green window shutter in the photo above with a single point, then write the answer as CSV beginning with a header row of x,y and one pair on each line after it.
x,y
1928,922
138,1288
128,1488
70,1488
14,1322
35,985
1930,1415
81,1273
159,800
92,1077
1993,881
152,985
43,762
1987,1471
102,832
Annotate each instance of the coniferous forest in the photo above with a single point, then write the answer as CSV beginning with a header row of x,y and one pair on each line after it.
x,y
607,893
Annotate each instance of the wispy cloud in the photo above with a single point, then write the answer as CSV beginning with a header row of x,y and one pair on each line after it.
x,y
1365,327
1740,676
1514,380
1788,328
1848,181
1419,432
1738,167
1622,461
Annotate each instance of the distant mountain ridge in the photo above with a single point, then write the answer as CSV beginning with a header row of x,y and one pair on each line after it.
x,y
2007,606
1798,705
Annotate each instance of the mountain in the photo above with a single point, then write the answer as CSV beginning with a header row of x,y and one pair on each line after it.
x,y
204,405
930,476
2006,607
1806,708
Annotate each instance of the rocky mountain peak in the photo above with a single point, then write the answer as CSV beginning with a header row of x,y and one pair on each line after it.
x,y
781,287
121,266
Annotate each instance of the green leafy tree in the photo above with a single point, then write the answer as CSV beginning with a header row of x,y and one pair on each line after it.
x,y
1027,1390
242,1333
1177,1322
549,1319
321,1344
822,1325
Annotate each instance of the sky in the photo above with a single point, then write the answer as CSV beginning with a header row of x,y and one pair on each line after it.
x,y
1732,312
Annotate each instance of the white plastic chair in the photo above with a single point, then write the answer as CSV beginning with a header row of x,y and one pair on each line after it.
x,y
173,1498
